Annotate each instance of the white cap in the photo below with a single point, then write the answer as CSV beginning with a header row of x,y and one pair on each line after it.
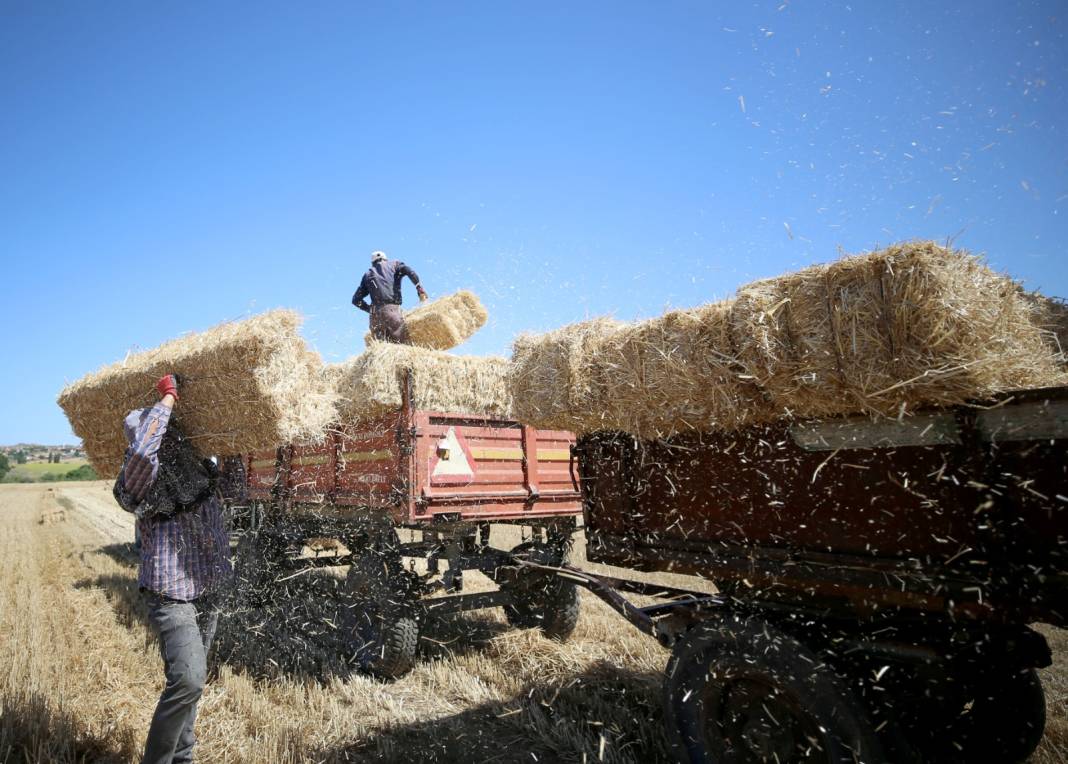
x,y
377,255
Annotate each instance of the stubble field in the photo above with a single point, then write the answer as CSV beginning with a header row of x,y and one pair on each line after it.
x,y
80,671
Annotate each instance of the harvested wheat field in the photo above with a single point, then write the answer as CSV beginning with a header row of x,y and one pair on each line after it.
x,y
80,673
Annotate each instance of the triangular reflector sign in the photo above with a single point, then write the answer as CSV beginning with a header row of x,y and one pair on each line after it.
x,y
451,463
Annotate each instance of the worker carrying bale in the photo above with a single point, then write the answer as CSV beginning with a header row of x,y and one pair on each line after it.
x,y
382,283
185,561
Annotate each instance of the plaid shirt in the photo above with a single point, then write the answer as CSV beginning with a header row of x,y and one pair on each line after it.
x,y
183,556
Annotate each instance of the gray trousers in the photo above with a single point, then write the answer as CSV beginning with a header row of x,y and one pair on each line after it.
x,y
387,324
185,631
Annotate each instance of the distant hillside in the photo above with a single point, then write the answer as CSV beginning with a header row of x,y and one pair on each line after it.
x,y
45,472
36,462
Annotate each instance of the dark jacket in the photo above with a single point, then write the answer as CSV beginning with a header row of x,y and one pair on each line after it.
x,y
383,283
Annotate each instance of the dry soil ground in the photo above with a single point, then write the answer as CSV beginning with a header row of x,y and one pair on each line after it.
x,y
80,672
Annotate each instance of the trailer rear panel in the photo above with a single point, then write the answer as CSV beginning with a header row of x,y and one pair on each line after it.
x,y
425,465
964,504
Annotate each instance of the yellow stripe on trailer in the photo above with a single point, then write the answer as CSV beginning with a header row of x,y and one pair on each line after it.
x,y
367,456
259,464
554,455
497,453
310,461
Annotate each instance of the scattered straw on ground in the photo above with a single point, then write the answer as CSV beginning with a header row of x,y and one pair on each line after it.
x,y
369,384
81,672
249,384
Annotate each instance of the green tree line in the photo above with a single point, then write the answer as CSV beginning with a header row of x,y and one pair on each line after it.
x,y
83,472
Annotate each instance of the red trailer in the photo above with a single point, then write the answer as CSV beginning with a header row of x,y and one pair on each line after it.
x,y
446,479
878,579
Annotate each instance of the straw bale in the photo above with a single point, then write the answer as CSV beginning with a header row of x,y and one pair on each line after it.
x,y
248,385
884,332
552,380
674,373
1052,315
669,374
444,323
369,384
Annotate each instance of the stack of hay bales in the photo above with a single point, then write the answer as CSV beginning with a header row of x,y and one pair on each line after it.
x,y
882,333
1053,317
370,384
664,375
250,384
676,373
912,325
552,382
444,323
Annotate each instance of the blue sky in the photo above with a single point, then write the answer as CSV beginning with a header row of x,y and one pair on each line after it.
x,y
164,167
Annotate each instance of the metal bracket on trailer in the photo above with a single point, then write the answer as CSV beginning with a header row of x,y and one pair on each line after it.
x,y
659,621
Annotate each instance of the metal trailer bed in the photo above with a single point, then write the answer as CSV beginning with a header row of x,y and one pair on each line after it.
x,y
406,485
878,579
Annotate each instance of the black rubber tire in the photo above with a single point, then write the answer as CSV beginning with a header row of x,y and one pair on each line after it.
x,y
384,632
540,601
1000,718
738,691
385,642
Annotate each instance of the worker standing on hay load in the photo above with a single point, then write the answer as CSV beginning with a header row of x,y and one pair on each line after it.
x,y
382,283
185,561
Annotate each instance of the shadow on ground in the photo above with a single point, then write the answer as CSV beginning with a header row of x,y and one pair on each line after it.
x,y
301,631
552,721
34,730
124,554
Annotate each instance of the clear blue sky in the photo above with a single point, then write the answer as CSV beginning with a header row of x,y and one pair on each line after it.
x,y
164,167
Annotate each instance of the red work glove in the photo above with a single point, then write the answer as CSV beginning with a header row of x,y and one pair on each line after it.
x,y
422,294
168,385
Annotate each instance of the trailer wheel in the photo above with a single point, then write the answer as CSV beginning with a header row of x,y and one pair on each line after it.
x,y
741,691
385,635
1001,718
541,601
385,642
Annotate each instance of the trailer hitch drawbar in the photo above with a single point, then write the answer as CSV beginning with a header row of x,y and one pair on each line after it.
x,y
663,620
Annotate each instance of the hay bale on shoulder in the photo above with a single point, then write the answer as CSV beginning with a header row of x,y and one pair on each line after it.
x,y
369,384
444,323
914,324
250,385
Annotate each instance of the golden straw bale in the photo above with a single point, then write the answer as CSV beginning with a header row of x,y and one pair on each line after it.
x,y
369,384
674,373
444,323
1052,315
653,378
552,379
884,332
248,385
